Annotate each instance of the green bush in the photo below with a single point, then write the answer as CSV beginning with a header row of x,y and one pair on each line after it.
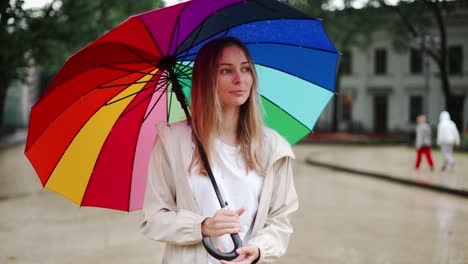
x,y
464,143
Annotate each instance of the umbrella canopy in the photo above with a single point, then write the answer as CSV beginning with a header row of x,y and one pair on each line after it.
x,y
92,130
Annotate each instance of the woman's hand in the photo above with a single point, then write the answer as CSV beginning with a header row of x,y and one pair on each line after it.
x,y
247,255
222,223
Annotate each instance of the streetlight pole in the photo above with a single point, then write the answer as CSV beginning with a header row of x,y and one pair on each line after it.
x,y
426,43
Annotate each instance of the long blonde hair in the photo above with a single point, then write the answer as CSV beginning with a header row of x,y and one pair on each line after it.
x,y
207,110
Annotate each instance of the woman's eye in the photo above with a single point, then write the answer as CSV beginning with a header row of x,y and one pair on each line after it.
x,y
247,69
224,71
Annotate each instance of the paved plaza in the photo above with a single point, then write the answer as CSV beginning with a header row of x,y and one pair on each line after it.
x,y
394,162
343,218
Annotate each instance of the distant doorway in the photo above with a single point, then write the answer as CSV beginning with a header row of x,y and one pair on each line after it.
x,y
380,114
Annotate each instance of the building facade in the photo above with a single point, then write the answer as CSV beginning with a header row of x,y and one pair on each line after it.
x,y
383,89
19,99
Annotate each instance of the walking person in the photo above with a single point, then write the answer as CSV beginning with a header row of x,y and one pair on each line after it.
x,y
423,142
251,163
447,137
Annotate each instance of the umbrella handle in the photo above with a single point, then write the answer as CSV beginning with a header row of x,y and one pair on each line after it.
x,y
206,240
220,255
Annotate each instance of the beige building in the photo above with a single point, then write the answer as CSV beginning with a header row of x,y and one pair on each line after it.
x,y
382,89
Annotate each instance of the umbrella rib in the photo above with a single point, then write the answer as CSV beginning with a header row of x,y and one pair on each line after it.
x,y
71,103
151,36
121,115
131,49
124,84
184,78
193,40
295,76
267,66
184,83
175,31
139,103
132,94
184,72
133,164
233,26
170,104
138,55
282,44
154,105
286,112
292,45
77,132
125,97
100,151
176,38
159,73
127,70
184,75
182,68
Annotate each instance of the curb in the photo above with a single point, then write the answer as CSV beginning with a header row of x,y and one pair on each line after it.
x,y
390,178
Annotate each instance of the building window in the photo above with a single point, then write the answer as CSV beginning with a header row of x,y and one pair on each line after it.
x,y
416,107
346,107
416,61
345,63
380,61
455,57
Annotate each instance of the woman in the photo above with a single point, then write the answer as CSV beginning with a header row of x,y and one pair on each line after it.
x,y
447,136
251,163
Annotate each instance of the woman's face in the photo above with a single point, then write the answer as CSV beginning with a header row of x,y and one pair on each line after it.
x,y
234,77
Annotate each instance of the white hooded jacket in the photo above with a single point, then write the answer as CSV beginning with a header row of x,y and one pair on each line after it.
x,y
447,133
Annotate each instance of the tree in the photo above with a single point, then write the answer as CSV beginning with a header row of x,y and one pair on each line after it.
x,y
49,35
417,19
13,39
63,27
350,28
410,20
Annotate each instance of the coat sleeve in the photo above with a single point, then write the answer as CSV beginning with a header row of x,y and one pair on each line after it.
x,y
162,221
273,238
418,137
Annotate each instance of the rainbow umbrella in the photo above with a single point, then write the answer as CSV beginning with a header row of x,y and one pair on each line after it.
x,y
92,130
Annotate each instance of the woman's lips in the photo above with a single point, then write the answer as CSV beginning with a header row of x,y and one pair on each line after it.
x,y
237,92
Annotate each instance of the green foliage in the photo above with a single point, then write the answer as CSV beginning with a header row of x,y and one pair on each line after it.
x,y
409,18
12,36
63,27
49,35
464,142
13,47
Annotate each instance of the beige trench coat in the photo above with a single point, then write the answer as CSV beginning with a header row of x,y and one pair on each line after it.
x,y
171,213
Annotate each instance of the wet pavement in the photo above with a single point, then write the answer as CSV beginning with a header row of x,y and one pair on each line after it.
x,y
343,218
394,163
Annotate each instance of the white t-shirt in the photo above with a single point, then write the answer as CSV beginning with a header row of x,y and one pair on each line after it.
x,y
239,187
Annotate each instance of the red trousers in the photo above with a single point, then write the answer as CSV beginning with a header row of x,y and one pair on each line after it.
x,y
426,151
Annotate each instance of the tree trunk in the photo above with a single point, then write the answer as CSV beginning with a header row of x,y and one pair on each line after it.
x,y
454,105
